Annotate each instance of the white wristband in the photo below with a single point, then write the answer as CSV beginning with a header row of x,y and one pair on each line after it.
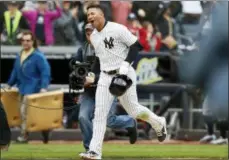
x,y
124,68
126,64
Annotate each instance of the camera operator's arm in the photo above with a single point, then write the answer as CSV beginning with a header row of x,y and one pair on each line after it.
x,y
78,56
93,76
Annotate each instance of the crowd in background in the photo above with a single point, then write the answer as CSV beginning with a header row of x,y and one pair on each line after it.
x,y
62,22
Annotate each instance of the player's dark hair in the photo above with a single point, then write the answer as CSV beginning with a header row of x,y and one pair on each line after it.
x,y
97,6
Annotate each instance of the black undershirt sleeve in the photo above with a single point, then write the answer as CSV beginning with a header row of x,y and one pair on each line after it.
x,y
133,52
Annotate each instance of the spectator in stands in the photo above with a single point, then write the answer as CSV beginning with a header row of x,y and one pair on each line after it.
x,y
12,24
148,39
120,11
65,26
31,74
133,24
167,67
29,5
41,21
166,27
145,10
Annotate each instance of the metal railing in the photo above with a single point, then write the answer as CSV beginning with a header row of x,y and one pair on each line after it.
x,y
55,52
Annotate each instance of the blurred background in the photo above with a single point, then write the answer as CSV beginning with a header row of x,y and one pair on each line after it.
x,y
182,72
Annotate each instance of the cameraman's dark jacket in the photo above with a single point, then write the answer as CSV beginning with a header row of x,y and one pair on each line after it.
x,y
83,55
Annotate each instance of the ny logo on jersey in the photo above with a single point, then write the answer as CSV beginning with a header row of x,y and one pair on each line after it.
x,y
109,43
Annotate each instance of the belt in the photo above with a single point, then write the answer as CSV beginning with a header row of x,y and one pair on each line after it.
x,y
112,72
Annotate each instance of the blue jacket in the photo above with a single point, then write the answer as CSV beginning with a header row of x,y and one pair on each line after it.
x,y
32,75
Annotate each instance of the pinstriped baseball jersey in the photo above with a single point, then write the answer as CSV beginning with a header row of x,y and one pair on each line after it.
x,y
112,45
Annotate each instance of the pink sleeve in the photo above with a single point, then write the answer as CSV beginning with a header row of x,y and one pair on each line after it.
x,y
55,14
28,14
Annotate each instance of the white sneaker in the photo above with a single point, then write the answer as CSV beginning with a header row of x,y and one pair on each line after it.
x,y
220,140
161,131
208,138
82,154
90,155
22,139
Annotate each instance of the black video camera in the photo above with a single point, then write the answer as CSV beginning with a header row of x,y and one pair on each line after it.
x,y
79,71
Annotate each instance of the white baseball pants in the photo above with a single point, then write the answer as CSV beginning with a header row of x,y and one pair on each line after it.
x,y
129,101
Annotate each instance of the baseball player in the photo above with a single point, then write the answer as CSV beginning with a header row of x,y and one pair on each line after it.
x,y
116,49
87,99
210,120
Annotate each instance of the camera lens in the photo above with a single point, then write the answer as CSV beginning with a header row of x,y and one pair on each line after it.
x,y
81,71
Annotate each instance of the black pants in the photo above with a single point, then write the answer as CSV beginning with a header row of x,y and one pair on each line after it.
x,y
5,133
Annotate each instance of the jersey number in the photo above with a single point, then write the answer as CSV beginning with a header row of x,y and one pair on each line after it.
x,y
109,44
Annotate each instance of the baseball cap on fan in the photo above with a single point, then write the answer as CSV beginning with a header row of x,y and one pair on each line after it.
x,y
89,27
132,17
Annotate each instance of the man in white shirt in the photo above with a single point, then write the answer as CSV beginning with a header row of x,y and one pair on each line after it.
x,y
116,48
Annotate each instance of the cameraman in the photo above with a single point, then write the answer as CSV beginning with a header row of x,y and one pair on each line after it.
x,y
87,99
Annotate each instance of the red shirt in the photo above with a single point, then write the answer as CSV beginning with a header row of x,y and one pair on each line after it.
x,y
153,45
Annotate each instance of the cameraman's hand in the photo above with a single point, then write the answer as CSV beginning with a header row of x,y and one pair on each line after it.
x,y
88,82
90,79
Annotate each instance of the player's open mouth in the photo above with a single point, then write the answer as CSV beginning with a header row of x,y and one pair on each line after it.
x,y
92,22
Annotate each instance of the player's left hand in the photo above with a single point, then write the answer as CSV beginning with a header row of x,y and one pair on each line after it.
x,y
124,68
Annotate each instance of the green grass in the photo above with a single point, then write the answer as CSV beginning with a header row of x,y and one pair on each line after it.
x,y
71,151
